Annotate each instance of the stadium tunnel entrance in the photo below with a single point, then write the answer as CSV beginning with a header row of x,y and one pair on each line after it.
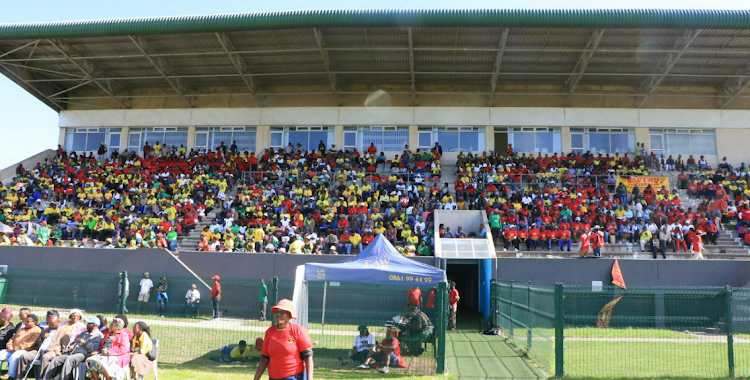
x,y
471,278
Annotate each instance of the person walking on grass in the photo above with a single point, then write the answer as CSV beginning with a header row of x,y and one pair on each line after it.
x,y
263,298
287,349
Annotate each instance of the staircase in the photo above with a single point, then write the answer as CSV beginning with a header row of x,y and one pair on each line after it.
x,y
188,243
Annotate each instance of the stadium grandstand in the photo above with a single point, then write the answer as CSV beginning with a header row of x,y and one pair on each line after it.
x,y
464,137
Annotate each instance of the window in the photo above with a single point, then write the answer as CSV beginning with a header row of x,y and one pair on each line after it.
x,y
683,141
211,138
165,136
454,139
385,139
602,140
89,139
309,138
535,139
350,138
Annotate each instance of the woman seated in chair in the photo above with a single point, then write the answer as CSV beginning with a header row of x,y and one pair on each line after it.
x,y
111,360
140,350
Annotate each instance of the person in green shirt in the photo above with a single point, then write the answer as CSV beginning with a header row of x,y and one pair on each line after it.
x,y
496,225
423,249
263,297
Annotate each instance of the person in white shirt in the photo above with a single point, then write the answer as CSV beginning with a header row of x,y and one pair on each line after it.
x,y
192,300
143,295
362,345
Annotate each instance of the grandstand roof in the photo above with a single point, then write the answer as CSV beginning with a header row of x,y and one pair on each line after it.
x,y
643,53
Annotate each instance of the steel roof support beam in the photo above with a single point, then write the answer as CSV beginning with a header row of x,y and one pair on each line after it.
x,y
239,64
88,68
163,68
18,75
583,62
666,64
498,63
411,66
735,85
20,48
326,60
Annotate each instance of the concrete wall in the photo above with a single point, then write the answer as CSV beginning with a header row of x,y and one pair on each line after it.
x,y
8,173
635,272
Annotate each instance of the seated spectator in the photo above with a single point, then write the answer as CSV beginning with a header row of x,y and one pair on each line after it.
x,y
192,301
114,355
416,330
24,339
81,347
141,361
387,352
363,344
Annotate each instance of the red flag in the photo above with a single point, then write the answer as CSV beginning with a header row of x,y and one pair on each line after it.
x,y
617,278
605,314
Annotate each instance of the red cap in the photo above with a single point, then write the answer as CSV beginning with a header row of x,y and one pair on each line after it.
x,y
216,278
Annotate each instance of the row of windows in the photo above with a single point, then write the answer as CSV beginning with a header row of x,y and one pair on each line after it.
x,y
395,138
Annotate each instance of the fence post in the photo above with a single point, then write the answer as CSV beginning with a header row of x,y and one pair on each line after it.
x,y
529,315
275,292
510,312
123,292
730,332
559,328
442,325
493,303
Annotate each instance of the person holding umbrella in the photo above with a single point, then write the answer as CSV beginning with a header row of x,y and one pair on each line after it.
x,y
287,349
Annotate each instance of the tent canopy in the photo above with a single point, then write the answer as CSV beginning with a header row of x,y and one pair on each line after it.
x,y
379,263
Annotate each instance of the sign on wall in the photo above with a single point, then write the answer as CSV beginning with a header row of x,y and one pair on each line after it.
x,y
643,182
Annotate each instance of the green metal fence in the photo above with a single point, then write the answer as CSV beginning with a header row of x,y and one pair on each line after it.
x,y
700,332
192,336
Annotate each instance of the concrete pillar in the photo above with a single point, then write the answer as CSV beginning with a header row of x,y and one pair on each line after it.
x,y
191,138
61,137
565,141
642,136
125,138
338,136
413,137
262,138
489,139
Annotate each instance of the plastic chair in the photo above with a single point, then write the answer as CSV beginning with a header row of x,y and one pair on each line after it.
x,y
155,350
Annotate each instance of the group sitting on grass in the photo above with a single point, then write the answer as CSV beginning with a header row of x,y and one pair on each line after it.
x,y
108,351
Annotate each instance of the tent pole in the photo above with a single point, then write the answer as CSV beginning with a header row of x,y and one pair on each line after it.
x,y
323,318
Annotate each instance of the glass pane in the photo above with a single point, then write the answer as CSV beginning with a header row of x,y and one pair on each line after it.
x,y
316,138
523,142
370,137
152,138
135,141
657,142
395,141
114,140
218,137
175,139
621,143
677,144
350,139
245,141
302,138
545,142
703,144
94,140
472,141
77,142
599,142
576,141
448,140
425,140
276,139
201,139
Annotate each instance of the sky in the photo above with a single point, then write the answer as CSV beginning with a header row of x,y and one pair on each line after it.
x,y
31,126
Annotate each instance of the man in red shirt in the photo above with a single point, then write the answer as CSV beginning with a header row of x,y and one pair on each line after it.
x,y
453,306
216,295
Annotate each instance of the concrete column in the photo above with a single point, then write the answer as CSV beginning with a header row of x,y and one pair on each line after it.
x,y
191,138
125,138
338,136
565,140
61,137
642,136
262,138
489,139
413,137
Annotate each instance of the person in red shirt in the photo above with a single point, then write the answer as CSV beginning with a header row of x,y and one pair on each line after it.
x,y
453,296
287,349
534,236
510,237
390,351
216,295
564,238
414,296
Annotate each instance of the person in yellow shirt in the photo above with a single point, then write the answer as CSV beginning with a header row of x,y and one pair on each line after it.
x,y
296,246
